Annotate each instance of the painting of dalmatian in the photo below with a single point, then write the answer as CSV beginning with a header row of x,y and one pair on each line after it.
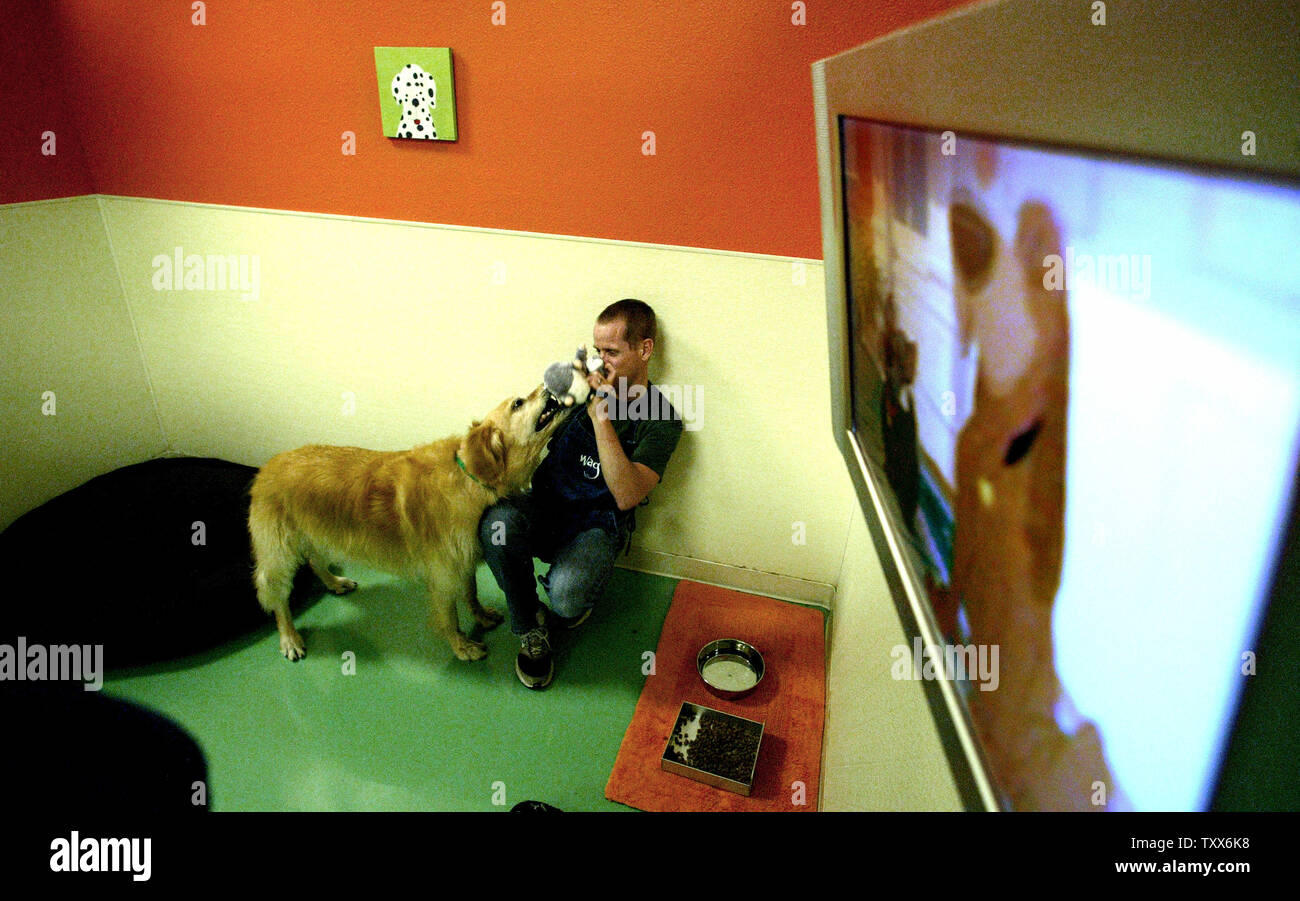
x,y
417,98
415,91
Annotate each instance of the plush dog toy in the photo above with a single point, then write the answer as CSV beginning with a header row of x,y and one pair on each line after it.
x,y
567,382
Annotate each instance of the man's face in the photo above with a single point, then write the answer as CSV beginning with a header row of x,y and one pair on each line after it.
x,y
621,361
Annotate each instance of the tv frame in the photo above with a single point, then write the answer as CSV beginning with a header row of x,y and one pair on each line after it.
x,y
1034,72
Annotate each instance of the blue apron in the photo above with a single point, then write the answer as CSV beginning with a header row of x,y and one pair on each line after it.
x,y
571,490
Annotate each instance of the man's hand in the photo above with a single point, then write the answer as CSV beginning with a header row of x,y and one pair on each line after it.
x,y
598,409
629,482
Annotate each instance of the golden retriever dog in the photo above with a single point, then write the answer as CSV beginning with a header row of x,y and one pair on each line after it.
x,y
413,513
1011,500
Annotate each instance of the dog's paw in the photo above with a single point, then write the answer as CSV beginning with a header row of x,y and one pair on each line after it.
x,y
466,649
489,618
292,647
342,586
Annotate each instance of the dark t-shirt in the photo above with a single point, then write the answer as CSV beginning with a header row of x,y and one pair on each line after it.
x,y
648,428
651,429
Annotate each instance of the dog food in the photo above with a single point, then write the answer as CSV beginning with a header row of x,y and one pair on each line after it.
x,y
716,743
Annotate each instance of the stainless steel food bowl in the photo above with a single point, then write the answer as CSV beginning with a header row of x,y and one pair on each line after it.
x,y
728,665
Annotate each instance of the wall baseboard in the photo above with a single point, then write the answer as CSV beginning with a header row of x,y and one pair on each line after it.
x,y
412,223
786,588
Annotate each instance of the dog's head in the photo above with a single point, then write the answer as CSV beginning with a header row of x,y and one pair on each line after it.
x,y
504,449
1001,300
414,89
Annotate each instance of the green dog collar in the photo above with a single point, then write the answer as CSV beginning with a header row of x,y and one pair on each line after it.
x,y
461,464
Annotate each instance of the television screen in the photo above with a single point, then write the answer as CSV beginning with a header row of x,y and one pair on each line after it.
x,y
1078,375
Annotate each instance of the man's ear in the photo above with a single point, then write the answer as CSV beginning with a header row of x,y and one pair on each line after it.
x,y
485,453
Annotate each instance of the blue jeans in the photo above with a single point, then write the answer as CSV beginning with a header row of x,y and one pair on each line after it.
x,y
514,531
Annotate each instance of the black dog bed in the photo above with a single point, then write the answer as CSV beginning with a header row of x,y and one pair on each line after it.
x,y
73,752
151,561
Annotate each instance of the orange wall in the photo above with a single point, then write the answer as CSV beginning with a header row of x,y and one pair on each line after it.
x,y
249,110
32,102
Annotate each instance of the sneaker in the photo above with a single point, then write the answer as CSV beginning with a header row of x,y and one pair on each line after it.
x,y
534,807
533,665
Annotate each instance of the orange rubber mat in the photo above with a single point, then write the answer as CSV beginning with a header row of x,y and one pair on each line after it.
x,y
790,701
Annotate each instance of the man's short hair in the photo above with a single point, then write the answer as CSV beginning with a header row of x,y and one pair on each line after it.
x,y
637,316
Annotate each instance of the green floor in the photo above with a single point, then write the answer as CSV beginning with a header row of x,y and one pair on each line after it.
x,y
414,728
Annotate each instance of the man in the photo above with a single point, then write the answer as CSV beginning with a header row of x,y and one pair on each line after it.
x,y
602,463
